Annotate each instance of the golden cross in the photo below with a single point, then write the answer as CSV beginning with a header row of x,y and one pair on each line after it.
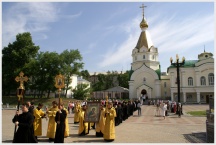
x,y
21,79
143,8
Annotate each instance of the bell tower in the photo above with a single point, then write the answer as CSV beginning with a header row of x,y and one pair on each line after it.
x,y
145,52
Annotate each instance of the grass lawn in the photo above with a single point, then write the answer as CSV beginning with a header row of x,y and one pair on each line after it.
x,y
197,113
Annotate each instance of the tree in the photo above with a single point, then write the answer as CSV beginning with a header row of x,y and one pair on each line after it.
x,y
81,91
71,64
85,74
14,58
43,70
123,79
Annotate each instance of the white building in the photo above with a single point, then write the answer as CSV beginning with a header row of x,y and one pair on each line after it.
x,y
196,76
75,81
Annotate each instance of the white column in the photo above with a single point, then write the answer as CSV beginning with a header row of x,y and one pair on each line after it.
x,y
184,97
197,79
172,95
198,97
157,88
131,90
183,79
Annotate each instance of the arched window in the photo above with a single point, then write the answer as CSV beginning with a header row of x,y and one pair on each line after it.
x,y
190,81
164,84
143,56
202,81
211,79
144,80
153,57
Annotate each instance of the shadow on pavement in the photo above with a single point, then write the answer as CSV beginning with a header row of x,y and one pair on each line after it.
x,y
7,141
90,141
198,137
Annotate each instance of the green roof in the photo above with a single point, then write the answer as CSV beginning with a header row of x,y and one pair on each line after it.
x,y
188,63
158,71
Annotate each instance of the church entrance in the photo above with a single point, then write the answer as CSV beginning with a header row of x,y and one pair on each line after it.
x,y
144,92
144,96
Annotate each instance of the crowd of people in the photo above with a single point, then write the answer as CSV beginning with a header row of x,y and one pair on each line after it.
x,y
112,114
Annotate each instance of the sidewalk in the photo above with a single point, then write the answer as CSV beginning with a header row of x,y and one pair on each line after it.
x,y
137,129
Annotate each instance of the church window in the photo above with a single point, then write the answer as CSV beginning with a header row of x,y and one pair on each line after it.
x,y
164,84
190,81
165,93
153,57
211,79
143,56
202,81
144,80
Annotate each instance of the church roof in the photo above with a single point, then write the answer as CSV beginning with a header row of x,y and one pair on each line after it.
x,y
158,71
144,40
188,63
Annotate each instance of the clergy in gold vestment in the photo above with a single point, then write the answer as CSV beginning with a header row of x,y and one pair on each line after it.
x,y
77,112
38,115
101,124
66,134
83,126
51,129
109,129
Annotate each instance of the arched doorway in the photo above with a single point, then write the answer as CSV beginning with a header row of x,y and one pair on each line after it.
x,y
143,92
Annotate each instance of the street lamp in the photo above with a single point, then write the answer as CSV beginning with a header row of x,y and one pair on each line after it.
x,y
177,64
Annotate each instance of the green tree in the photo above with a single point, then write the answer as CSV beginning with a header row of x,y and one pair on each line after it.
x,y
43,70
81,92
71,64
123,79
100,84
14,58
85,74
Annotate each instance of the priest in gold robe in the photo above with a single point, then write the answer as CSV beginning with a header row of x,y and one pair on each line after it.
x,y
101,124
83,126
109,129
77,112
51,129
38,115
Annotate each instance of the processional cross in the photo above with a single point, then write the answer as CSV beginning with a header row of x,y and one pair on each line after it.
x,y
21,79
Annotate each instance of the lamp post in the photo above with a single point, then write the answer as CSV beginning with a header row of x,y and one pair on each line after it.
x,y
178,64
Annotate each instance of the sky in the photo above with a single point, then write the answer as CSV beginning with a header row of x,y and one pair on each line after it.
x,y
105,33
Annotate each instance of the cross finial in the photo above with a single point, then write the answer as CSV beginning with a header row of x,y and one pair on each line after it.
x,y
21,79
143,9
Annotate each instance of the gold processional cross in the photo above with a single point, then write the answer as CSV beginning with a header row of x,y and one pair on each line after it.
x,y
21,79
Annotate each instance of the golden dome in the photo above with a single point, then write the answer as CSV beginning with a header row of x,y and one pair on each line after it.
x,y
143,24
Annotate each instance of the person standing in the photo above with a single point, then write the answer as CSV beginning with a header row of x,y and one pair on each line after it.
x,y
109,129
77,112
83,126
60,128
51,129
164,108
139,108
101,124
66,134
38,115
24,121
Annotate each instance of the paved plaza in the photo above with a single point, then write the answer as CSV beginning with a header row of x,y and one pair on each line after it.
x,y
136,129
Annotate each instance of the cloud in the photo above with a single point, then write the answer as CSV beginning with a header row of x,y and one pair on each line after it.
x,y
124,50
170,35
30,17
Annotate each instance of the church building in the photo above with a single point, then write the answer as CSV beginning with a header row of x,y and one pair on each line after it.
x,y
146,78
